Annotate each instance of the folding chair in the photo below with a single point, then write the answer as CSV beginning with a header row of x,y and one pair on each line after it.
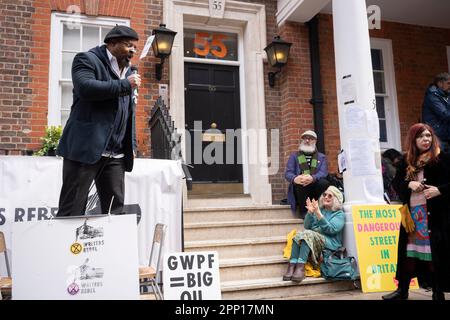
x,y
5,282
148,275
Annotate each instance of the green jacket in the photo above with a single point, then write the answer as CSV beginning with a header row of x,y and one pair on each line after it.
x,y
330,226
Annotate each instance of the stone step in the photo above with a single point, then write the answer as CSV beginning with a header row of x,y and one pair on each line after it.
x,y
218,201
252,268
240,248
239,229
276,288
238,213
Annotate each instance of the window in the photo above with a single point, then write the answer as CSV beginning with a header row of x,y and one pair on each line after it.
x,y
385,93
210,45
69,36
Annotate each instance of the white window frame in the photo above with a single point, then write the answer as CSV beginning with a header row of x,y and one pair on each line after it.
x,y
55,65
391,106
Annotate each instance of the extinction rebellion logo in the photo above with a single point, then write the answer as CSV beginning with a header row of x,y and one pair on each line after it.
x,y
87,232
85,278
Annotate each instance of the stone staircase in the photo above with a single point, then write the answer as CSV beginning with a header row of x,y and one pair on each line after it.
x,y
250,241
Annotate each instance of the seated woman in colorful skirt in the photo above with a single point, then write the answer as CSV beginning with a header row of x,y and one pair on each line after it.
x,y
324,224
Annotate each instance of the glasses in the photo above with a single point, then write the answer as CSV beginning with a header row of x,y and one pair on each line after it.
x,y
308,138
327,195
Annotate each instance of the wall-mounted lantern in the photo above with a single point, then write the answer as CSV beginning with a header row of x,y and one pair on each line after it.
x,y
162,46
277,54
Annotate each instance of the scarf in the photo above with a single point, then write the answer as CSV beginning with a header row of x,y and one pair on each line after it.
x,y
304,167
422,161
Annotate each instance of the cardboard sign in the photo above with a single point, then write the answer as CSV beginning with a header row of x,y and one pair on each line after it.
x,y
191,276
377,230
76,259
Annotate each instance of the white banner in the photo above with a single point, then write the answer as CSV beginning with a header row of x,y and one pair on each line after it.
x,y
30,187
76,259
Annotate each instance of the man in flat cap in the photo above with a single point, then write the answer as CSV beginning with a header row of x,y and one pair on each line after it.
x,y
99,140
306,171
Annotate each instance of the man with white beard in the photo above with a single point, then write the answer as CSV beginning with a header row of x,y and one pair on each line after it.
x,y
306,171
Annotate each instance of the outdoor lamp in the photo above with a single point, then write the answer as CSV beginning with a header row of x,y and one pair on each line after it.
x,y
277,54
162,46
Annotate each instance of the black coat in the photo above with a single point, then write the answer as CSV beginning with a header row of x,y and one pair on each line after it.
x,y
437,174
95,101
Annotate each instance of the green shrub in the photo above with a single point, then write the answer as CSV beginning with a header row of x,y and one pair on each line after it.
x,y
50,141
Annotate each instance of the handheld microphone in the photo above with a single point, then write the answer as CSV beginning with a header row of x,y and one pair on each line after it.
x,y
134,70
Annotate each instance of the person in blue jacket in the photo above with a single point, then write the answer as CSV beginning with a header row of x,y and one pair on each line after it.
x,y
99,140
306,171
324,224
436,109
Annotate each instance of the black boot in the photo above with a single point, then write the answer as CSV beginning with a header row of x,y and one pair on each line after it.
x,y
299,273
438,295
398,294
288,275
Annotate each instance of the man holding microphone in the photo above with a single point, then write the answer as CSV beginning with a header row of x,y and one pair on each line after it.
x,y
99,140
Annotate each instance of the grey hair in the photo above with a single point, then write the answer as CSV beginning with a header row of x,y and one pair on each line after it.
x,y
444,76
334,207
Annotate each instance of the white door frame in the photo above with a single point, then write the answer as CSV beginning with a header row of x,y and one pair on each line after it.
x,y
251,20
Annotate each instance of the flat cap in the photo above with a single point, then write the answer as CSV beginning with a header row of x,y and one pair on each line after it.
x,y
121,32
309,133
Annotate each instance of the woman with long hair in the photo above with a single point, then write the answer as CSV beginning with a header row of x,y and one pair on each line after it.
x,y
423,184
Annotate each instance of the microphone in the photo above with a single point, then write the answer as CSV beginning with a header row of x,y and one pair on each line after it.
x,y
134,70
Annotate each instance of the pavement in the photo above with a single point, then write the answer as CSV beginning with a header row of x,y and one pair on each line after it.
x,y
415,294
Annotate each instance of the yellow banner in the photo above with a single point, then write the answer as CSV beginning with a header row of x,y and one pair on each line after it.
x,y
377,230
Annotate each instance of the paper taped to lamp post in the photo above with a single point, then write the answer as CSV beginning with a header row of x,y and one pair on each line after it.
x,y
76,259
377,230
191,276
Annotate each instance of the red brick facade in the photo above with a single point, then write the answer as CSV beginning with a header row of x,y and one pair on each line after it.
x,y
24,61
419,53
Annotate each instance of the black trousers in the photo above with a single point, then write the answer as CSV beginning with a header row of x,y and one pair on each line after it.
x,y
313,190
109,174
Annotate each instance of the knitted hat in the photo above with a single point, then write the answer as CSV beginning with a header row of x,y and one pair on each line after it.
x,y
121,32
309,133
337,193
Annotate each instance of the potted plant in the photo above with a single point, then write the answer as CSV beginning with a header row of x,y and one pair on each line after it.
x,y
50,141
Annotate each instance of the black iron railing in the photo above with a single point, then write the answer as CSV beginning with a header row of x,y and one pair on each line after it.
x,y
165,141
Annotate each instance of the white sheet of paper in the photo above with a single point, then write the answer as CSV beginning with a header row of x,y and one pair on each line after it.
x,y
362,159
342,162
147,46
355,117
373,124
373,188
348,89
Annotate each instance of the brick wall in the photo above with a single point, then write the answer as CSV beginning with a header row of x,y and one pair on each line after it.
x,y
419,54
296,92
15,66
273,107
24,65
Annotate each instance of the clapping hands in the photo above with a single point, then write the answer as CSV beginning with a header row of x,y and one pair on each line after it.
x,y
313,208
312,205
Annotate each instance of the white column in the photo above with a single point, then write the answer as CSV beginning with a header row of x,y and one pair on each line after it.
x,y
358,120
